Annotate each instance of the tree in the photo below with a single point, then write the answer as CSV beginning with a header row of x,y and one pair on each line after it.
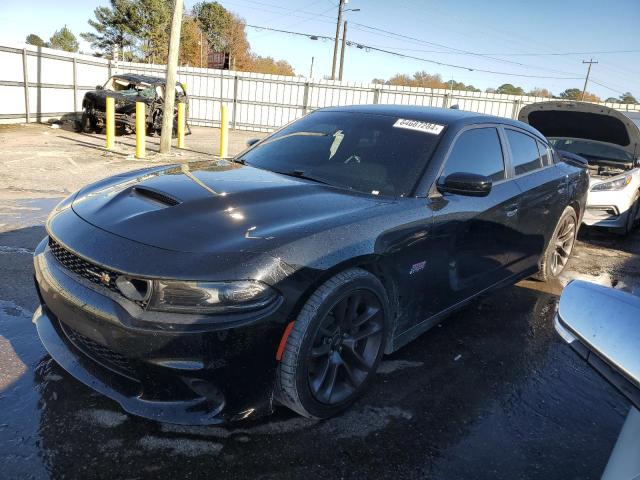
x,y
571,94
628,98
112,29
215,21
64,39
612,100
590,97
269,65
150,24
576,94
508,89
194,49
540,92
425,80
33,39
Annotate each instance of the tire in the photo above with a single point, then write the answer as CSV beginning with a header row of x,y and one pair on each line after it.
x,y
87,123
631,218
558,250
325,365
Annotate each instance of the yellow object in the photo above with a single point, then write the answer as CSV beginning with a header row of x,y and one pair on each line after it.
x,y
181,119
224,132
141,127
111,123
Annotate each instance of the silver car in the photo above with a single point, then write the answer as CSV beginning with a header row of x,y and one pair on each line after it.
x,y
603,325
610,141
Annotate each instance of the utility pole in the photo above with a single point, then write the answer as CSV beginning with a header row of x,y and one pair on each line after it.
x,y
311,71
335,45
344,45
170,86
590,62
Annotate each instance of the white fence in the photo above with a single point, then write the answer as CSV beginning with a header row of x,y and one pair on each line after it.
x,y
40,83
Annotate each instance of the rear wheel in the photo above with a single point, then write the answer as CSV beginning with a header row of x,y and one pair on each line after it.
x,y
335,346
559,249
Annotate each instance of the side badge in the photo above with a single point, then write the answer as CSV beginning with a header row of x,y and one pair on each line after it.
x,y
417,267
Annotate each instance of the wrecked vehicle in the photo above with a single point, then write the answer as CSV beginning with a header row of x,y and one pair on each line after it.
x,y
127,89
610,141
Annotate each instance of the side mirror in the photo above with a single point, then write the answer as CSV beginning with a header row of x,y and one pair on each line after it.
x,y
469,184
251,142
603,325
98,87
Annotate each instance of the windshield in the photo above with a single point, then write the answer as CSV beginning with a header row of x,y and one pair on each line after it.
x,y
595,150
370,153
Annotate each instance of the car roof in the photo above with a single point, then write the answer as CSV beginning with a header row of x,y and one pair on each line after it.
x,y
445,116
133,78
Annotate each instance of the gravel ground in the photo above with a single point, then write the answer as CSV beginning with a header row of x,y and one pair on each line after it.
x,y
491,392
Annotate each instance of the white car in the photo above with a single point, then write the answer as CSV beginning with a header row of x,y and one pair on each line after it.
x,y
610,141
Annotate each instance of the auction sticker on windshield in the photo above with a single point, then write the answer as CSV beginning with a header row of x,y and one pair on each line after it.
x,y
426,127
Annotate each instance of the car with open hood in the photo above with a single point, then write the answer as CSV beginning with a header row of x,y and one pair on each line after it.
x,y
610,141
126,90
207,292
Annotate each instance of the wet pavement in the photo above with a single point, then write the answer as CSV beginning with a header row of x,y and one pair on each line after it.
x,y
491,392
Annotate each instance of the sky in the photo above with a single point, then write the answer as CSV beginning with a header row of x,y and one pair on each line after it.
x,y
518,35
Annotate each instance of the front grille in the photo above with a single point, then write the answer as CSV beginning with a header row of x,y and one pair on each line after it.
x,y
100,353
92,272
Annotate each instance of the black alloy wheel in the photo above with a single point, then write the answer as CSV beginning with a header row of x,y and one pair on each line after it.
x,y
345,347
335,345
563,244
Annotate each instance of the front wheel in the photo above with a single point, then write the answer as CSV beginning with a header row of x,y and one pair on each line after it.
x,y
335,345
632,216
559,249
87,123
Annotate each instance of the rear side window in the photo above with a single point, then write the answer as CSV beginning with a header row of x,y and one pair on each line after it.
x,y
545,154
477,151
526,157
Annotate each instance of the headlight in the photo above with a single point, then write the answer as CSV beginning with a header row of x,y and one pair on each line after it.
x,y
618,184
209,297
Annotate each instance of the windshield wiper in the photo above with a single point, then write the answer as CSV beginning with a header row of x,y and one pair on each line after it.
x,y
301,174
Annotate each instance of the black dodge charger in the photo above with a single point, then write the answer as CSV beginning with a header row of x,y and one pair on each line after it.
x,y
209,292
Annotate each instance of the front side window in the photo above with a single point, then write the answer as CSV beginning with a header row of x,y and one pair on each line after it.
x,y
525,155
477,151
363,152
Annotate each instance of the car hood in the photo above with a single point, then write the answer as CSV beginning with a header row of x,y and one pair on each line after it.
x,y
583,120
216,207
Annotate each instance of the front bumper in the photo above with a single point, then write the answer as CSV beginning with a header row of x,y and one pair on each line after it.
x,y
196,377
608,216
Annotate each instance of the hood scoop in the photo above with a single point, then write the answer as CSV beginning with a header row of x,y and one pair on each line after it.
x,y
156,196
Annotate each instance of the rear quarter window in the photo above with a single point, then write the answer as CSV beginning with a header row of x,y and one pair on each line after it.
x,y
525,156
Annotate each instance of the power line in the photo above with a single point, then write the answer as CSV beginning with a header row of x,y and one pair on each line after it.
x,y
503,54
412,57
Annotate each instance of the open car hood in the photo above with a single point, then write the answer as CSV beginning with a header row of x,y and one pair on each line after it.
x,y
583,120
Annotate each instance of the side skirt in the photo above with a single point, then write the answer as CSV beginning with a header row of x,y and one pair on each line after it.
x,y
412,333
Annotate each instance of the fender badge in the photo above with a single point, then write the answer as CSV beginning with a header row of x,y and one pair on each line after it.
x,y
417,267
